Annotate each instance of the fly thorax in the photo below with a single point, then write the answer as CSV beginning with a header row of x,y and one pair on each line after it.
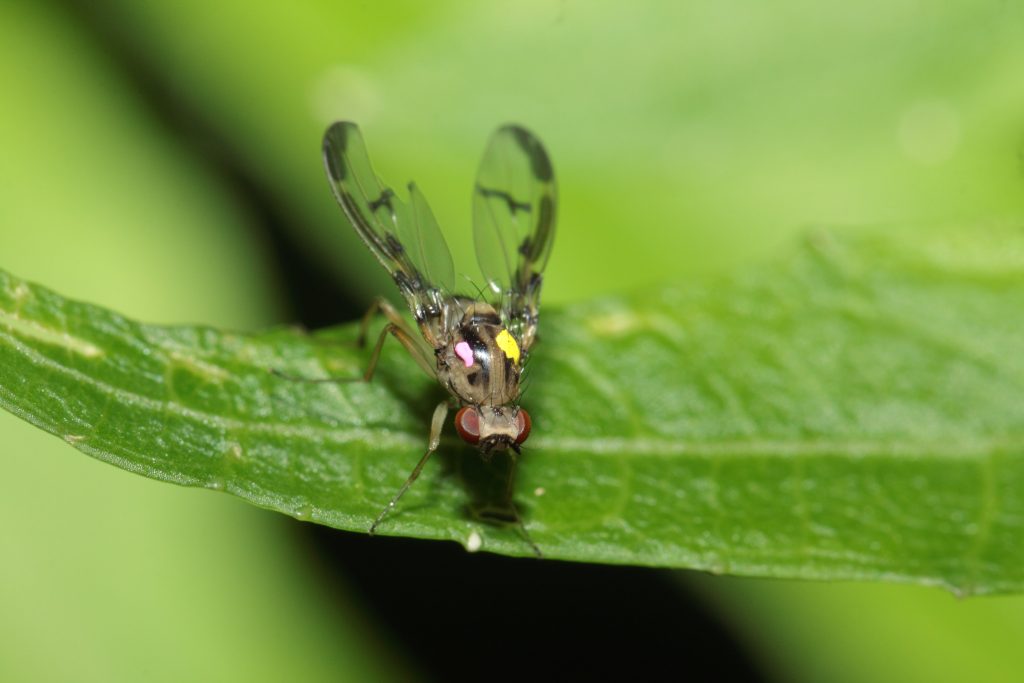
x,y
480,365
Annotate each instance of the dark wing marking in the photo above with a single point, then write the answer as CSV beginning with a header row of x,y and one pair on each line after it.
x,y
405,238
514,205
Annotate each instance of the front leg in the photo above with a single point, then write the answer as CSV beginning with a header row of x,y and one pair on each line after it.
x,y
436,425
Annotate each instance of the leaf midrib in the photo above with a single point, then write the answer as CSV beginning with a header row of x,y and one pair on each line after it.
x,y
614,446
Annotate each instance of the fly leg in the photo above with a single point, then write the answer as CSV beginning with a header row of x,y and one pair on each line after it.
x,y
507,513
436,425
396,327
406,339
513,456
379,306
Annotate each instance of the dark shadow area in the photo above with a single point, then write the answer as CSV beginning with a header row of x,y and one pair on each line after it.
x,y
309,291
462,616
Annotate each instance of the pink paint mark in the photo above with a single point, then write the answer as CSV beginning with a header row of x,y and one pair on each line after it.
x,y
463,351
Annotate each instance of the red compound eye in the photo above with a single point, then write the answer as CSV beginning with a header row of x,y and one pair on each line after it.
x,y
523,421
467,424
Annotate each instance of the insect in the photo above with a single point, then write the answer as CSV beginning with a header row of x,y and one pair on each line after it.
x,y
474,346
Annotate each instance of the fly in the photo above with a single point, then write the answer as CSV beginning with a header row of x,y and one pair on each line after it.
x,y
474,348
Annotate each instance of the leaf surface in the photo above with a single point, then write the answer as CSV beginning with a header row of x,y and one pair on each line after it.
x,y
850,412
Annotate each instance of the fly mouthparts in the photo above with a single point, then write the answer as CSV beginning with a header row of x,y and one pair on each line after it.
x,y
497,442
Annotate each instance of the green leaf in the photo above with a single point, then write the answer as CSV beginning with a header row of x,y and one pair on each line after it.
x,y
852,411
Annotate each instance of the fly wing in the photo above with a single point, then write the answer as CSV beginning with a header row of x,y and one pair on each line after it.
x,y
405,238
514,205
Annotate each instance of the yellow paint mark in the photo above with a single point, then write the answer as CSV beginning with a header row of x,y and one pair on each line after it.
x,y
507,343
48,335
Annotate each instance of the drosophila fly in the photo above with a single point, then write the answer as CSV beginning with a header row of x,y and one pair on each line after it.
x,y
475,349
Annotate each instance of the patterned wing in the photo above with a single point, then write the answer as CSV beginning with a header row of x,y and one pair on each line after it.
x,y
405,238
514,205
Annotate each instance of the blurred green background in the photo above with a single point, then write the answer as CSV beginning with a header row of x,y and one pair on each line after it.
x,y
163,160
